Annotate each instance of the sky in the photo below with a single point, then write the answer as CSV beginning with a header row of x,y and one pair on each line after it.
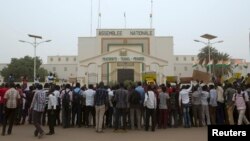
x,y
63,21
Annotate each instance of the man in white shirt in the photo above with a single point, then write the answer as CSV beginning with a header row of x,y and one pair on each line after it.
x,y
150,104
58,104
220,105
184,102
89,95
51,112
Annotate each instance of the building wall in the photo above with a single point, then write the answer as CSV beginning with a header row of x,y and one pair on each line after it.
x,y
87,48
64,66
62,60
183,65
163,49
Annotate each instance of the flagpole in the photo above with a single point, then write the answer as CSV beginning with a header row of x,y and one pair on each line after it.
x,y
91,16
151,15
99,15
249,41
125,21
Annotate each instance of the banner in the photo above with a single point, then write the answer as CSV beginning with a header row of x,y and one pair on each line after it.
x,y
149,77
171,78
199,75
186,79
237,75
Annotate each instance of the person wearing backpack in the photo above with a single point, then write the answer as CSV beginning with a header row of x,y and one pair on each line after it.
x,y
135,107
66,97
240,98
77,105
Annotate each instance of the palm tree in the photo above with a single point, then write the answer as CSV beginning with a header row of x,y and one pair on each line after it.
x,y
203,56
216,57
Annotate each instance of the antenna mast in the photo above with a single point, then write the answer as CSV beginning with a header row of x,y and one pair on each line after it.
x,y
91,16
99,15
151,15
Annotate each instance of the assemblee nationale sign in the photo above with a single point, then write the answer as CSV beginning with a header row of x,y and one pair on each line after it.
x,y
123,59
126,32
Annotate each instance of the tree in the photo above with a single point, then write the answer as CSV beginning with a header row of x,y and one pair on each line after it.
x,y
24,67
218,66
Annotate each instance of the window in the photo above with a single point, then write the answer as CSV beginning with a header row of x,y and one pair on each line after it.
x,y
185,59
65,69
75,59
177,59
67,59
192,58
51,59
185,68
59,59
54,69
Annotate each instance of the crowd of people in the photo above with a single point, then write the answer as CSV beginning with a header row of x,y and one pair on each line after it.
x,y
137,107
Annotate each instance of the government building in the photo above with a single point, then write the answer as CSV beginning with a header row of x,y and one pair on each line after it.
x,y
116,55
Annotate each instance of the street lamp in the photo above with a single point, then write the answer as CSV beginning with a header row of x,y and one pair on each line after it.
x,y
35,44
208,44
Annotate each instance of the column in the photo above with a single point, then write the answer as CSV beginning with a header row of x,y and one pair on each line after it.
x,y
99,73
85,75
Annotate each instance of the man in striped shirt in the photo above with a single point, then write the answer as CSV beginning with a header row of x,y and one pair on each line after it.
x,y
121,100
37,107
101,101
11,98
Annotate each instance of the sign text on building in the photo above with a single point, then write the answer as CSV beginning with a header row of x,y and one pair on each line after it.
x,y
123,59
140,32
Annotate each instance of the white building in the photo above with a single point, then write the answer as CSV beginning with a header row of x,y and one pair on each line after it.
x,y
65,67
115,55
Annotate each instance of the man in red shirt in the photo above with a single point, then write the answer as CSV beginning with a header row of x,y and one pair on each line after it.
x,y
3,89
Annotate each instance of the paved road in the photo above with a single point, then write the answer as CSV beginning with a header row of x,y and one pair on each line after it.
x,y
25,133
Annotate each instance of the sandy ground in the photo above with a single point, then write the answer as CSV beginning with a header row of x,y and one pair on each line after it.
x,y
25,133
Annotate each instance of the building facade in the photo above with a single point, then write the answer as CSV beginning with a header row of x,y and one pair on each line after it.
x,y
115,55
65,67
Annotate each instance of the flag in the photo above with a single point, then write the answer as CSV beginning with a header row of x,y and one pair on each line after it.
x,y
210,62
151,15
100,14
203,64
220,63
124,14
226,63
